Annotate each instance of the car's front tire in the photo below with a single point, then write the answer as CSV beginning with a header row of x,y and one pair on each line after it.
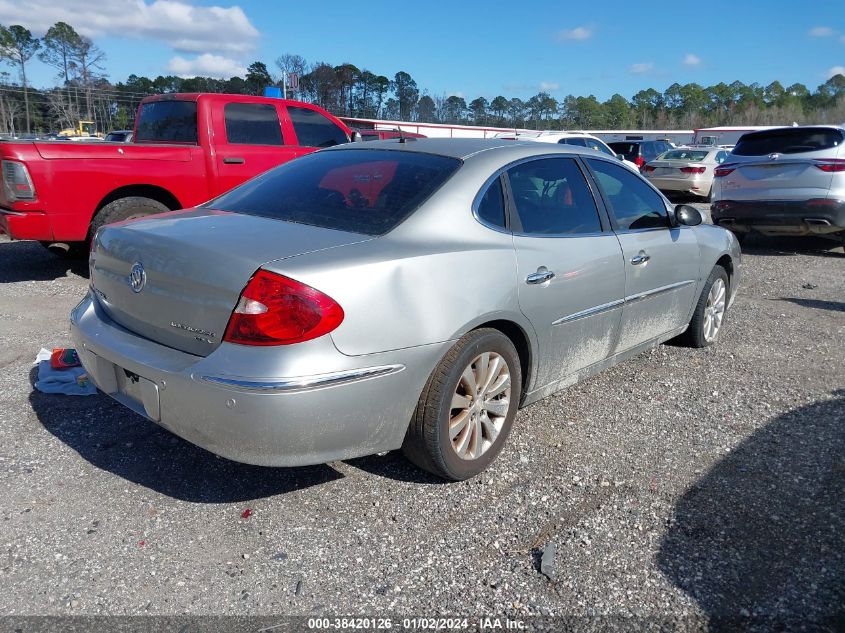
x,y
467,407
709,315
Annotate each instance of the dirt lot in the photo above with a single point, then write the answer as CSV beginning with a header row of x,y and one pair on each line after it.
x,y
683,484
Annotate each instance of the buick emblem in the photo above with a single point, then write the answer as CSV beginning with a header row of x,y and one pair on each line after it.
x,y
774,156
137,277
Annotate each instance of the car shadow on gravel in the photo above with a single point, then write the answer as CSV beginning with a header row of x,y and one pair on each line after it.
x,y
767,246
29,261
759,540
114,439
817,304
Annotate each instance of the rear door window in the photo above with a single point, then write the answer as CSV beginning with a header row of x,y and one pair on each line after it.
x,y
167,121
552,198
356,190
633,203
315,130
788,141
252,124
491,207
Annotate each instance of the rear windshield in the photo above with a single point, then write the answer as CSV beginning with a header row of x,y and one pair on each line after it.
x,y
787,141
168,122
626,149
684,154
360,190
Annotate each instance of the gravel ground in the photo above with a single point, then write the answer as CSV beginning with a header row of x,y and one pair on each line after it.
x,y
693,485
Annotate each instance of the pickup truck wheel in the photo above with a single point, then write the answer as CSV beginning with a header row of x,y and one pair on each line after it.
x,y
125,209
467,407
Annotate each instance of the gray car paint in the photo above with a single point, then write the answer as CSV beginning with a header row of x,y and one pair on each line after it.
x,y
407,296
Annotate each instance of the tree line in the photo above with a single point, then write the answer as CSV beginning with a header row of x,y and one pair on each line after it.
x,y
83,92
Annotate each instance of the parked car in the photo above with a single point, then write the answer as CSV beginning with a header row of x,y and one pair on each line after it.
x,y
640,152
380,135
384,295
119,136
784,181
579,139
685,170
187,148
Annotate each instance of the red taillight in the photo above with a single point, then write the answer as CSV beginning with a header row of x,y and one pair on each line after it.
x,y
275,310
648,168
693,170
724,170
831,165
639,161
17,184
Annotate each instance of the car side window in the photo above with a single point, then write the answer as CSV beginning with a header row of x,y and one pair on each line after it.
x,y
633,203
552,197
491,208
721,157
315,130
252,124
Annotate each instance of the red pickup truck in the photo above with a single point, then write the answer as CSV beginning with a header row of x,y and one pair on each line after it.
x,y
188,148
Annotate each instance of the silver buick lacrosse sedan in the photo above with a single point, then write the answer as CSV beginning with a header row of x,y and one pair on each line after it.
x,y
404,294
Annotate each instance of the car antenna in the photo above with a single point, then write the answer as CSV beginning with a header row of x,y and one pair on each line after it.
x,y
401,136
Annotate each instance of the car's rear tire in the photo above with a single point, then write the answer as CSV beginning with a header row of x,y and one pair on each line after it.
x,y
125,209
707,319
459,425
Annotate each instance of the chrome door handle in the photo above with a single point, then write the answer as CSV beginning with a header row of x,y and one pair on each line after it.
x,y
642,258
233,160
541,276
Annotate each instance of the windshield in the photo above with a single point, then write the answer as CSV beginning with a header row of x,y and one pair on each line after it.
x,y
360,190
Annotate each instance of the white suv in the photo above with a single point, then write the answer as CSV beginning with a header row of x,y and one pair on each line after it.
x,y
582,139
784,181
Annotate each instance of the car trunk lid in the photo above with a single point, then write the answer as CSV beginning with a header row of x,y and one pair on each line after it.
x,y
774,178
195,265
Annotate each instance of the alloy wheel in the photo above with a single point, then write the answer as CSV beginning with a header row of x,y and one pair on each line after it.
x,y
714,311
479,405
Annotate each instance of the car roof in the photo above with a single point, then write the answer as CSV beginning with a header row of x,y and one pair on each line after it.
x,y
464,148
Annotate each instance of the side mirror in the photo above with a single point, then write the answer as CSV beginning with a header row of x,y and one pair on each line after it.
x,y
356,137
687,215
620,156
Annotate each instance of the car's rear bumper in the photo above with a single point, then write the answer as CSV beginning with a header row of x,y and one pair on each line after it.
x,y
357,406
781,217
685,185
25,225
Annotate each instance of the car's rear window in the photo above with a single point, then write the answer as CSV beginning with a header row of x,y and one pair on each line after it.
x,y
684,154
787,141
168,122
357,190
628,150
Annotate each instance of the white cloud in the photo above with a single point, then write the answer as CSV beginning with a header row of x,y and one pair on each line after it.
x,y
177,23
821,31
836,70
578,34
642,68
546,86
206,65
691,59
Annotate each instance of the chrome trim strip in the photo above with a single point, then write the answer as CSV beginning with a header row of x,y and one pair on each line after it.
x,y
303,383
604,307
10,212
658,291
590,312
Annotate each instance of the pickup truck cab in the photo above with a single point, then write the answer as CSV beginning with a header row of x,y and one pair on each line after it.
x,y
187,148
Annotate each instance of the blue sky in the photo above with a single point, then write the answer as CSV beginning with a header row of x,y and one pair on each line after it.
x,y
468,48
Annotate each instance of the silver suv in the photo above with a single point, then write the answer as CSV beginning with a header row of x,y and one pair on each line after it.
x,y
784,181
